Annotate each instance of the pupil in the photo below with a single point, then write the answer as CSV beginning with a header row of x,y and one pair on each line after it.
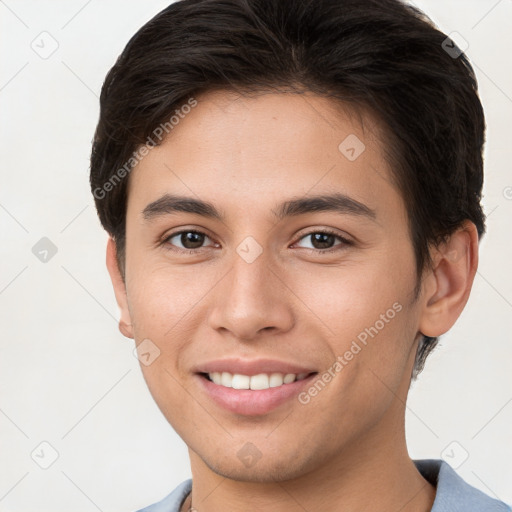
x,y
194,240
323,239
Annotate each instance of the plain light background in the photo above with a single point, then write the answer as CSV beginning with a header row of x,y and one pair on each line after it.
x,y
69,380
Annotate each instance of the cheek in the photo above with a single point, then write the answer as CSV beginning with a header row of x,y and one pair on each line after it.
x,y
368,325
161,297
350,300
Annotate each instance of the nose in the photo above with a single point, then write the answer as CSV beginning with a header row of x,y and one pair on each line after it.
x,y
252,299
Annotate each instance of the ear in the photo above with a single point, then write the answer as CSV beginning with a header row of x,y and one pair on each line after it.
x,y
125,322
448,284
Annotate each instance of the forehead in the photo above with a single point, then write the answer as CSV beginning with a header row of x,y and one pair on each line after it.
x,y
250,152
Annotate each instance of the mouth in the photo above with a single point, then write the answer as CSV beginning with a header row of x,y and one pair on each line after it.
x,y
253,395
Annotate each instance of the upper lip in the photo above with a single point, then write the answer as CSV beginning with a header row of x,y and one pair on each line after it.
x,y
251,367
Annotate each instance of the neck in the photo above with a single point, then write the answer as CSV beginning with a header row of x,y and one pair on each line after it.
x,y
366,476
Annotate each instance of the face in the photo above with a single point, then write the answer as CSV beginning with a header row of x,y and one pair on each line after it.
x,y
268,270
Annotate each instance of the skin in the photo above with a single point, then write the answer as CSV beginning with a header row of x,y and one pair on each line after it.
x,y
345,449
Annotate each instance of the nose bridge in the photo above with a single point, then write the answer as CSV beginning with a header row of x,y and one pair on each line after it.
x,y
251,282
251,297
251,260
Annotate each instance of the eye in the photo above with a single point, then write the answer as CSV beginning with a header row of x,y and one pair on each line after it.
x,y
190,240
324,241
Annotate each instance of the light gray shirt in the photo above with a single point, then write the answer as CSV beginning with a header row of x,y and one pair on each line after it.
x,y
452,493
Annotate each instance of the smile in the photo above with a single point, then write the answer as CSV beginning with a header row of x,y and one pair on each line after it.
x,y
257,394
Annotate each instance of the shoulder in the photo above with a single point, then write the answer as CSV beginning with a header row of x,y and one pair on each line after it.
x,y
172,502
453,494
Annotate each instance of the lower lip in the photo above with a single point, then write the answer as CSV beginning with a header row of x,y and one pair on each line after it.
x,y
253,402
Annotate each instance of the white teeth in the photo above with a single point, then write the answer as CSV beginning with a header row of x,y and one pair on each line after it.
x,y
275,380
237,381
226,379
289,378
260,381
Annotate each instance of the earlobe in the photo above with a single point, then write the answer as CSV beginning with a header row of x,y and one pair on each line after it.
x,y
449,284
125,323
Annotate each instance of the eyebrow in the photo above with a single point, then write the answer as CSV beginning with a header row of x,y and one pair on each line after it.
x,y
338,203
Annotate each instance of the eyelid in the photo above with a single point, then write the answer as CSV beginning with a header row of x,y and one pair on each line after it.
x,y
330,231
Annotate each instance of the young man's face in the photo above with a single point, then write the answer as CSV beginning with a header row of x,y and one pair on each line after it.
x,y
263,286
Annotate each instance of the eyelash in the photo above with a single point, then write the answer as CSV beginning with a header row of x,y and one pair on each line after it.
x,y
344,241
